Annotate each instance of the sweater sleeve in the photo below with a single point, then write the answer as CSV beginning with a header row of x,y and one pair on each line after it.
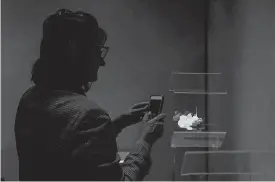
x,y
98,148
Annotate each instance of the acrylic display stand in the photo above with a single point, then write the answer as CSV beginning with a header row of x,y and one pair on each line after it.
x,y
229,166
190,93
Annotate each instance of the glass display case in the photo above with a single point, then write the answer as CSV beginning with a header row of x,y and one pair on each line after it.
x,y
194,129
190,94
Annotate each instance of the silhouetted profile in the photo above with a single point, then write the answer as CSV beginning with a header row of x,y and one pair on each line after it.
x,y
60,133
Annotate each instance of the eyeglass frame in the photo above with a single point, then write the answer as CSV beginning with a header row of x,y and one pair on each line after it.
x,y
103,47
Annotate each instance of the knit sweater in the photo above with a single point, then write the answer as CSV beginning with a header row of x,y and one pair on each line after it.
x,y
64,136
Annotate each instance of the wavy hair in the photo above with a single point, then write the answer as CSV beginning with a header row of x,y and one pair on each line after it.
x,y
66,50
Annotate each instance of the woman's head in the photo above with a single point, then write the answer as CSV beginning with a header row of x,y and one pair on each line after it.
x,y
71,51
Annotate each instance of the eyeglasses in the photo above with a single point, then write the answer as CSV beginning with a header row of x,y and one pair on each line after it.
x,y
103,51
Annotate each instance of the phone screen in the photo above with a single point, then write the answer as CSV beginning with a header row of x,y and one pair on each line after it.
x,y
156,103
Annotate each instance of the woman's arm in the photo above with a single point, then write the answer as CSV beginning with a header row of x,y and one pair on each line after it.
x,y
97,146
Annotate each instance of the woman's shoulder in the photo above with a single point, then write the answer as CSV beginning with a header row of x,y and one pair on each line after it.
x,y
61,101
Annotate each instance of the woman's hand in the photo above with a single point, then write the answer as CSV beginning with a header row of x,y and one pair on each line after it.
x,y
139,112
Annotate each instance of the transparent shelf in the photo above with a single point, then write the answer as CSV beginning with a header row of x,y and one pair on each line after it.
x,y
196,83
229,165
197,139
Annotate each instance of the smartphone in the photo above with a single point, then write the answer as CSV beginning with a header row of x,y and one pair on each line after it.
x,y
156,104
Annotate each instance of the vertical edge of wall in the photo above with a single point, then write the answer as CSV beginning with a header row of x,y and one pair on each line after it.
x,y
206,18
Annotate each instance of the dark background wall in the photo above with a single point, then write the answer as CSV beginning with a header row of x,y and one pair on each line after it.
x,y
148,40
242,46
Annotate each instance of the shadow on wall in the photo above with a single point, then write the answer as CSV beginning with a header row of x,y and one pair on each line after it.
x,y
224,49
241,45
224,43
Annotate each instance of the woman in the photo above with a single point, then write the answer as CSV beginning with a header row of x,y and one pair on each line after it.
x,y
60,133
